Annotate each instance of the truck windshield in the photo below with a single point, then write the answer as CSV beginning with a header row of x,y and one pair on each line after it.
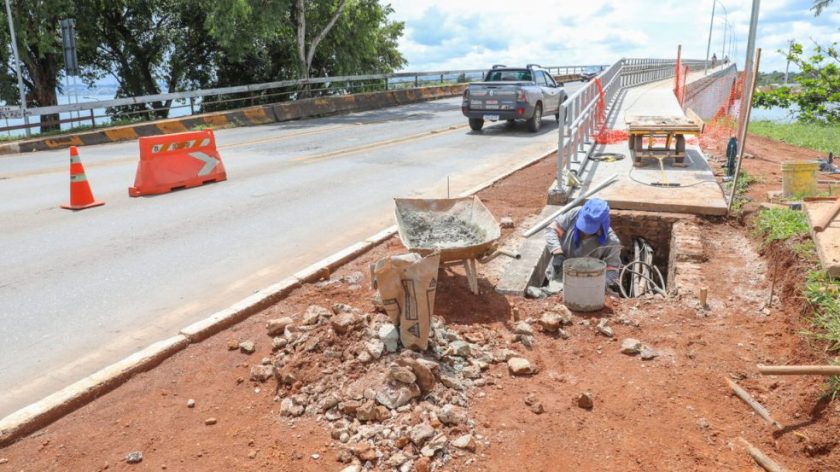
x,y
509,75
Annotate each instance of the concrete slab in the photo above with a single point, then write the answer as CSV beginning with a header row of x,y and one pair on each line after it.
x,y
694,189
827,241
530,267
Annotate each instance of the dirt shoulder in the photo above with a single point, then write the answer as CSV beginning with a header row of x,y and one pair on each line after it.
x,y
673,412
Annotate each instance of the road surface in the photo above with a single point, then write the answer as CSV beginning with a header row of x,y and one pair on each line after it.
x,y
80,290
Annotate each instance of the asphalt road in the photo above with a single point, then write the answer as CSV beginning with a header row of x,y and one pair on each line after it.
x,y
79,290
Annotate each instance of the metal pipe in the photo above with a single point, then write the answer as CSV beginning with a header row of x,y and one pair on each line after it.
x,y
709,42
799,369
542,224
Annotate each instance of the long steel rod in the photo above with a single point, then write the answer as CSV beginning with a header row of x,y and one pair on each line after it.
x,y
545,222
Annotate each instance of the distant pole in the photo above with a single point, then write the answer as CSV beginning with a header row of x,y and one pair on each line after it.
x,y
709,43
787,64
723,46
748,70
17,68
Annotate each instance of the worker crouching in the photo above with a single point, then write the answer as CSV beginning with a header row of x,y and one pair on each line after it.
x,y
584,232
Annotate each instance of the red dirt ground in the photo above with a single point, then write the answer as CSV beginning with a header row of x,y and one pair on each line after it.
x,y
672,413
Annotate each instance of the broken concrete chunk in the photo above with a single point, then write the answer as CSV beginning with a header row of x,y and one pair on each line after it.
x,y
277,326
394,395
420,433
247,347
466,442
375,347
343,322
261,373
451,415
288,407
390,335
506,222
604,329
433,445
460,349
631,346
402,374
134,457
649,354
339,308
520,366
534,292
315,314
550,322
523,328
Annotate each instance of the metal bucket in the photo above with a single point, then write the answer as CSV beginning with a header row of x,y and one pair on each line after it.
x,y
584,283
799,178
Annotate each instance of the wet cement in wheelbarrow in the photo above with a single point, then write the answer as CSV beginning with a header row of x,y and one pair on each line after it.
x,y
429,230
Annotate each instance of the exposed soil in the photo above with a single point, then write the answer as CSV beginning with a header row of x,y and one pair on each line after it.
x,y
673,412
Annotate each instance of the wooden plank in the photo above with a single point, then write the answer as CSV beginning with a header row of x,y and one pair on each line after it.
x,y
827,241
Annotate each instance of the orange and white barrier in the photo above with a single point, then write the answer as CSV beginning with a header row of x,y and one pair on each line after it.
x,y
176,161
81,196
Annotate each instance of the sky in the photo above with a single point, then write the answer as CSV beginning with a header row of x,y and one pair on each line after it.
x,y
474,34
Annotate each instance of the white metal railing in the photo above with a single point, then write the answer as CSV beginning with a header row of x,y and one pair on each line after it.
x,y
200,101
579,117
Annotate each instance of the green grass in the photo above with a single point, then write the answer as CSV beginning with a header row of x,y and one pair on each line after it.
x,y
823,294
780,224
820,137
740,199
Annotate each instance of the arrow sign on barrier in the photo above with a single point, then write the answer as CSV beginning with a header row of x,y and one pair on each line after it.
x,y
210,162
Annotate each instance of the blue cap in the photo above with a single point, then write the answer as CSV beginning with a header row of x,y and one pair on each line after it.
x,y
594,215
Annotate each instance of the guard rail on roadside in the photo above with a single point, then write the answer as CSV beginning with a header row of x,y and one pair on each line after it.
x,y
187,103
579,119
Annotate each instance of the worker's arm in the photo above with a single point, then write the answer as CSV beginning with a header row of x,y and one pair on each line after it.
x,y
613,260
553,233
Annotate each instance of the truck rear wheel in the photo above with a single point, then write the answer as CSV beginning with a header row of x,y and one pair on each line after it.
x,y
476,124
535,122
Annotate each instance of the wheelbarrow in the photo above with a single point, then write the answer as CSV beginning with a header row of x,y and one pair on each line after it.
x,y
461,229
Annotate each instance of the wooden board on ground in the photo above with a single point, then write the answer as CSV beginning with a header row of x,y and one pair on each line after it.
x,y
698,193
636,123
827,241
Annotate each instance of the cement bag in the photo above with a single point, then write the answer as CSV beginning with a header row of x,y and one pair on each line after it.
x,y
407,286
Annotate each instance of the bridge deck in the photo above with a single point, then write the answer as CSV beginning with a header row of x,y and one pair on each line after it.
x,y
698,191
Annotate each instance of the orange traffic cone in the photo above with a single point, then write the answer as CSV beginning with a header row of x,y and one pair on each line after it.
x,y
80,195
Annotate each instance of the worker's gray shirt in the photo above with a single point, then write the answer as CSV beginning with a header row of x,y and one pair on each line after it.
x,y
589,247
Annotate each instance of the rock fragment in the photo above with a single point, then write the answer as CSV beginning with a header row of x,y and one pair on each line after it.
x,y
261,373
389,335
585,401
420,433
466,442
210,421
631,346
247,347
520,366
506,222
134,457
550,322
604,328
452,415
315,314
649,354
277,326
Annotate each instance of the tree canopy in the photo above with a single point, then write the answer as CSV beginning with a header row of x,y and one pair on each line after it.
x,y
154,46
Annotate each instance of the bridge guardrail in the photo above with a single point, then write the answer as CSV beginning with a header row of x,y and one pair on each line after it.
x,y
579,118
135,109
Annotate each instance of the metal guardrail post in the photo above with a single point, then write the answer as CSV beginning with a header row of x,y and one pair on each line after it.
x,y
92,119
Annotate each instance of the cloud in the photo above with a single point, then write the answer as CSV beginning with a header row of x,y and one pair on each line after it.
x,y
473,34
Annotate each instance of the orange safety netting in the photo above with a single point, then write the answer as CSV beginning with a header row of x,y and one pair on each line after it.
x,y
602,135
718,130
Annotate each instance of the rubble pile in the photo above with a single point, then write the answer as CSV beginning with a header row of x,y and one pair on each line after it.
x,y
388,408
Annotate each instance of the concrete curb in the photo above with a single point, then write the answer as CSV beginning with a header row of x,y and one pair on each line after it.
x,y
40,414
250,116
53,407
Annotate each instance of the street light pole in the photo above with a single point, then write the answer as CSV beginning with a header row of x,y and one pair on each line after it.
x,y
17,68
787,63
709,43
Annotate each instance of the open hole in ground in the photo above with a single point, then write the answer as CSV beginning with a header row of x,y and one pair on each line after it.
x,y
654,228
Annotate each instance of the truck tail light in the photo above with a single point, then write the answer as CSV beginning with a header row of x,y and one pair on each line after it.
x,y
520,96
520,111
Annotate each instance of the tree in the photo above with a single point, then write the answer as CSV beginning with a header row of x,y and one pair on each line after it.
x,y
307,53
148,46
38,34
820,5
818,94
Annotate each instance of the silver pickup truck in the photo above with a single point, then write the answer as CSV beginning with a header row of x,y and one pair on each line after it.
x,y
509,93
